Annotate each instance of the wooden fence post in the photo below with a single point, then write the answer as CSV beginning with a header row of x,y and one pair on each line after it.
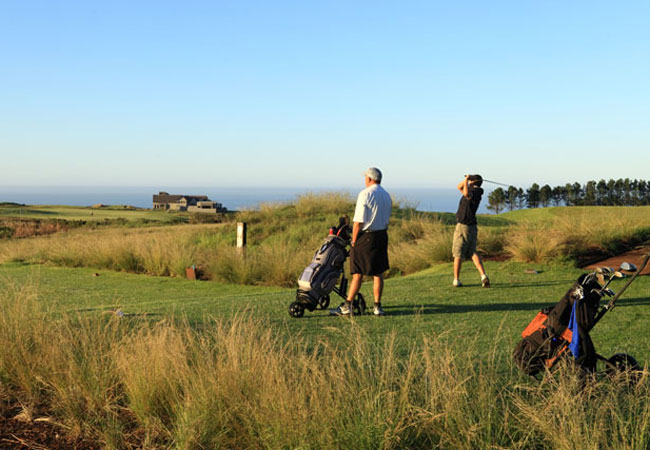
x,y
241,236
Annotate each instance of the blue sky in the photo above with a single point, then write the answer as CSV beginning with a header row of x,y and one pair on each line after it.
x,y
293,94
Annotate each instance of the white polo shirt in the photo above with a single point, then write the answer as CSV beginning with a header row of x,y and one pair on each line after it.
x,y
373,208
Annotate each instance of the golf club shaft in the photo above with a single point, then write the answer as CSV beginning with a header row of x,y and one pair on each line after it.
x,y
496,182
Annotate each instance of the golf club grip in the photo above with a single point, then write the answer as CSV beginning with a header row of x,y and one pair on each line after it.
x,y
629,282
611,303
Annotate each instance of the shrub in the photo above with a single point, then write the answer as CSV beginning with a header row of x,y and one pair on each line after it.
x,y
533,244
6,232
126,261
587,238
491,241
324,204
206,218
413,255
232,266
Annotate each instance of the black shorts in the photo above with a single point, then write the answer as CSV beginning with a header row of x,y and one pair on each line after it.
x,y
369,256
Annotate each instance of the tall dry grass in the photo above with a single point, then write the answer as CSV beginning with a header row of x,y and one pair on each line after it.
x,y
579,238
282,239
331,203
157,251
239,383
583,237
533,243
421,242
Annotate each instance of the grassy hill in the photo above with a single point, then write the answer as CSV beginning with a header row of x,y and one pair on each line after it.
x,y
291,232
85,213
597,213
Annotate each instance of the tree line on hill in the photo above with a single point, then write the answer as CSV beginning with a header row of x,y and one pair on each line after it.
x,y
621,192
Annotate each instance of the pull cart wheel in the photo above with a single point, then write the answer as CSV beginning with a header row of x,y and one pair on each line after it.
x,y
324,302
620,363
296,310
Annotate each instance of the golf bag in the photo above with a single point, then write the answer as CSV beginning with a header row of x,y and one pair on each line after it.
x,y
562,330
319,278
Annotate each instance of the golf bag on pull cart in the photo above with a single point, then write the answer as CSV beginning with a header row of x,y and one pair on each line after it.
x,y
562,331
320,277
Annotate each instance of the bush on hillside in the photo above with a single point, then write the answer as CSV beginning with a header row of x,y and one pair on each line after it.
x,y
6,232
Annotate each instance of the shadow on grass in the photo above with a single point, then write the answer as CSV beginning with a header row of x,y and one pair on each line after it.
x,y
499,286
438,308
568,284
36,212
639,301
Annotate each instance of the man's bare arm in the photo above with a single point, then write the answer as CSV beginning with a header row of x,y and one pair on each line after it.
x,y
463,186
356,228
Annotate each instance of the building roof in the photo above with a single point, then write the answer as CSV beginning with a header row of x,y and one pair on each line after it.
x,y
166,198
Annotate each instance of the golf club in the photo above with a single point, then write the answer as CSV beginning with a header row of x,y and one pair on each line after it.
x,y
496,182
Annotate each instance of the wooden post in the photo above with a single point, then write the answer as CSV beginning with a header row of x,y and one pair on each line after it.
x,y
241,236
190,272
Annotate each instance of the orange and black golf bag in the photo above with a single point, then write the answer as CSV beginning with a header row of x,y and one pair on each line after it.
x,y
563,330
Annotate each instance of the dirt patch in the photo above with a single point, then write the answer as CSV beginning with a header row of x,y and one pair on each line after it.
x,y
22,228
36,434
497,258
633,256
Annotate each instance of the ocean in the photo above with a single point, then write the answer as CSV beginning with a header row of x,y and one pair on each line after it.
x,y
423,199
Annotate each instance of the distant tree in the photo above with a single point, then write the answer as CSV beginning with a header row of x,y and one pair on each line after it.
x,y
511,197
497,200
611,192
634,192
630,192
545,195
578,193
589,197
532,196
521,198
568,199
601,192
619,188
558,195
643,192
627,192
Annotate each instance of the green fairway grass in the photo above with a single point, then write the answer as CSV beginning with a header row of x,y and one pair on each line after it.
x,y
540,215
418,304
84,213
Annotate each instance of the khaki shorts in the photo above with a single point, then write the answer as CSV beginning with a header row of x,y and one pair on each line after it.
x,y
465,237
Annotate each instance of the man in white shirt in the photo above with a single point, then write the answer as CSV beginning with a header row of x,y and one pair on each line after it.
x,y
369,253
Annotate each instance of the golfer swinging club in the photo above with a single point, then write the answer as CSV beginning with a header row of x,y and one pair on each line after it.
x,y
369,253
466,233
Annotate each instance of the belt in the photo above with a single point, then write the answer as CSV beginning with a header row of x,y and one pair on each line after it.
x,y
373,231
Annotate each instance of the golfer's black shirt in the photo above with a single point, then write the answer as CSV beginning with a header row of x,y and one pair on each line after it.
x,y
467,207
